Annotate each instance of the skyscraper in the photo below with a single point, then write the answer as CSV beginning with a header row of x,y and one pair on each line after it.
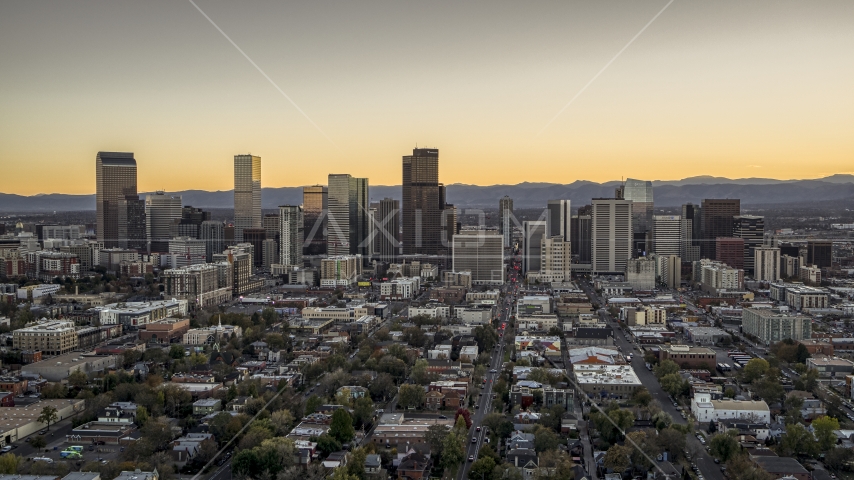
x,y
421,202
533,232
505,216
191,221
347,224
730,250
480,253
115,181
213,234
751,229
716,222
640,194
315,203
820,253
582,234
611,243
559,214
667,234
388,229
291,225
247,194
766,264
131,222
162,217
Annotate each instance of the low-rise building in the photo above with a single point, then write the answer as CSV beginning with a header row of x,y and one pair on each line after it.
x,y
706,410
688,356
134,315
167,330
772,325
54,337
831,366
705,335
59,368
607,381
206,406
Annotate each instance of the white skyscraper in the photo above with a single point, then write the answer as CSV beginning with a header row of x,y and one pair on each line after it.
x,y
611,244
247,194
667,233
767,264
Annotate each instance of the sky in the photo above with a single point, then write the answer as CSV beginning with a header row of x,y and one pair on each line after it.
x,y
725,88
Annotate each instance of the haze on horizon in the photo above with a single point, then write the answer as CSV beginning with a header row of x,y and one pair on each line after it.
x,y
710,88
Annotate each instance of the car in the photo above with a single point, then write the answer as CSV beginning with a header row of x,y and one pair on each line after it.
x,y
471,458
477,429
493,371
443,417
5,449
91,448
476,406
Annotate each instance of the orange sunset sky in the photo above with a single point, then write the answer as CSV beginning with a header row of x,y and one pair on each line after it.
x,y
724,88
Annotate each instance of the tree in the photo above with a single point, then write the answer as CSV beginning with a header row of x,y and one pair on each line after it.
x,y
48,415
498,424
420,375
453,451
78,379
341,473
312,404
839,458
246,462
411,395
435,437
671,440
382,387
553,465
482,468
823,428
713,427
327,444
617,458
356,464
740,467
363,411
769,389
9,463
545,439
724,446
797,441
641,397
755,369
666,367
673,384
38,442
341,428
282,421
465,414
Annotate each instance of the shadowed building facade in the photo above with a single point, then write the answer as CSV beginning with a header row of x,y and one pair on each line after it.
x,y
115,182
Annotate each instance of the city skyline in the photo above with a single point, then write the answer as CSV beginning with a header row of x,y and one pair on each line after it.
x,y
706,88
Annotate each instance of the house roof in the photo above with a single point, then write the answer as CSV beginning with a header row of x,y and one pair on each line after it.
x,y
780,465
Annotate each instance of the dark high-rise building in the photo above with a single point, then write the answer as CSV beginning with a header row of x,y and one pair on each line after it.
x,y
132,223
820,253
581,233
213,234
421,202
751,229
115,181
360,228
505,219
388,229
315,204
730,250
191,222
793,251
717,217
450,227
256,237
533,233
640,193
162,217
559,214
348,216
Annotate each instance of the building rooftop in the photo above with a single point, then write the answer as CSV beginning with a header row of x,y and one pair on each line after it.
x,y
606,375
755,405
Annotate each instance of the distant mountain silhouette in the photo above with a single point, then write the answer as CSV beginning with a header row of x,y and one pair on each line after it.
x,y
751,191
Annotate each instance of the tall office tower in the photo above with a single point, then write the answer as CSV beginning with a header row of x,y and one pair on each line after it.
x,y
315,204
581,236
291,225
730,250
482,254
611,238
373,230
820,253
640,194
505,219
360,223
341,196
559,218
716,222
767,264
692,232
555,260
247,194
667,234
450,227
131,222
191,221
668,268
270,224
270,254
751,228
533,232
228,234
115,180
421,220
388,230
213,234
186,251
348,203
255,237
162,216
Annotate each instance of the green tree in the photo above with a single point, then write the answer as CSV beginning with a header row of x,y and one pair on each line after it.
x,y
769,389
453,452
839,458
341,473
667,367
420,375
482,468
356,464
617,458
724,446
327,444
9,463
38,442
435,437
545,439
740,467
673,384
823,428
641,397
48,415
78,379
341,428
797,441
671,440
498,425
246,462
755,369
411,395
282,421
312,404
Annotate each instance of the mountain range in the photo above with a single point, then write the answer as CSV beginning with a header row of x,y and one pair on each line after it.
x,y
751,191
